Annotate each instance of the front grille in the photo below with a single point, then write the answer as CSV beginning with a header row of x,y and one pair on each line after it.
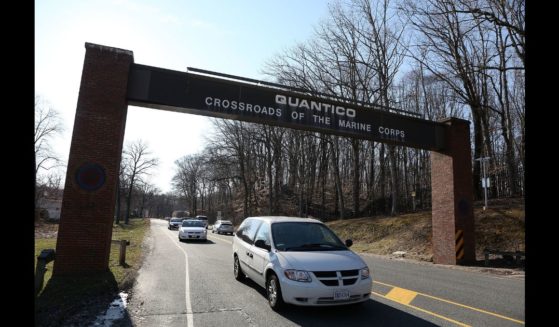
x,y
350,281
330,282
320,274
337,278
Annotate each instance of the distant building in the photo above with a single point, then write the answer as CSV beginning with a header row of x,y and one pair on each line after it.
x,y
52,206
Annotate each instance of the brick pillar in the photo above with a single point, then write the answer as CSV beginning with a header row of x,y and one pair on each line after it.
x,y
86,219
452,196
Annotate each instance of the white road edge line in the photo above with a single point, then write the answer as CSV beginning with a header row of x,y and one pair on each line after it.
x,y
189,315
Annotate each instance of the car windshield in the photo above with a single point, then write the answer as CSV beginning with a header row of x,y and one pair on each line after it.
x,y
226,223
193,223
305,236
176,220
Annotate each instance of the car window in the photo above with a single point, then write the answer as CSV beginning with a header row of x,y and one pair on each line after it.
x,y
176,220
303,236
193,223
248,229
244,225
263,234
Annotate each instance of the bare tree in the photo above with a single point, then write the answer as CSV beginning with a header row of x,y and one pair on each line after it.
x,y
48,124
384,40
466,63
138,162
121,187
504,14
186,179
446,47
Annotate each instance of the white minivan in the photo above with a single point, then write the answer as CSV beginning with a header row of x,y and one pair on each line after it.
x,y
299,261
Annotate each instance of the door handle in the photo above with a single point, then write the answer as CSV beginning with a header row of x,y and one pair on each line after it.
x,y
249,254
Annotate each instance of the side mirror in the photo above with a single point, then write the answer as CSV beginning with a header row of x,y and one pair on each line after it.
x,y
348,243
262,244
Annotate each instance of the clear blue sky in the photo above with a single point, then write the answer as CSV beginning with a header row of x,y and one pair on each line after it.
x,y
234,37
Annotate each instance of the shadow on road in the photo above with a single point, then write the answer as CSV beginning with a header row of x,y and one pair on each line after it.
x,y
208,241
369,313
68,301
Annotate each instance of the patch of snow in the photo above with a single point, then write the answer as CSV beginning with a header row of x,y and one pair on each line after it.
x,y
115,311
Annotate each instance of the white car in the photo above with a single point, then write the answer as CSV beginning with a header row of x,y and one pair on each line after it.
x,y
203,218
192,229
223,226
299,261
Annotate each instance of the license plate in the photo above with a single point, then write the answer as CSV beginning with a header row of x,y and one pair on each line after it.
x,y
341,295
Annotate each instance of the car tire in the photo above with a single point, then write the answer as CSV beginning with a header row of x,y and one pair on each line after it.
x,y
273,292
237,270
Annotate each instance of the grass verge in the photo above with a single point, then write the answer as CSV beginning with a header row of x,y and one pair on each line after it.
x,y
69,300
500,227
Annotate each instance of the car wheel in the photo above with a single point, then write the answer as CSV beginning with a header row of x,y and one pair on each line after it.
x,y
237,270
273,292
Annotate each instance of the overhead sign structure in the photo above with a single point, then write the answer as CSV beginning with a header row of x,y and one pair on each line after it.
x,y
111,81
224,98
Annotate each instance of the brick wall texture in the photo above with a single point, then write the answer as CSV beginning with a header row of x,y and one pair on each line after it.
x,y
86,220
452,195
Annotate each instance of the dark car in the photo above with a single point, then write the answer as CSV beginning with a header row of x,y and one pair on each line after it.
x,y
175,223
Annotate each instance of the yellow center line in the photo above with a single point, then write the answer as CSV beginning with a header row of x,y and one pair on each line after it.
x,y
401,295
425,311
460,305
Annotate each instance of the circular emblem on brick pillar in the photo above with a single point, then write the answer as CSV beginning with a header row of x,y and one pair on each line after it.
x,y
90,176
463,207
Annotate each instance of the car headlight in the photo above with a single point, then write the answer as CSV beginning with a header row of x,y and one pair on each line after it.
x,y
298,275
365,273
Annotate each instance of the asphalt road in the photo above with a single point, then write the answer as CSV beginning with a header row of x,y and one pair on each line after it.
x,y
192,284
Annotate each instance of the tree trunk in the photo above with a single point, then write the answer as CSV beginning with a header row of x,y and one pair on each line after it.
x,y
339,192
129,200
118,193
372,181
356,173
393,180
382,179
